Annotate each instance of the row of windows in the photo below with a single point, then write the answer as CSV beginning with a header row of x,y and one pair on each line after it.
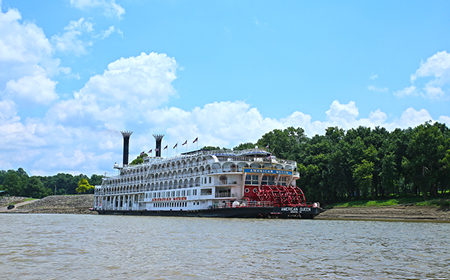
x,y
266,180
174,204
203,179
164,194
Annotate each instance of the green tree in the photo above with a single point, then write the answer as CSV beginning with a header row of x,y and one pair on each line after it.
x,y
35,188
363,175
84,186
96,179
12,183
424,157
139,159
244,146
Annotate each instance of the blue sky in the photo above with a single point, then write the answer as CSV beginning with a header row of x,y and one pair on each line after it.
x,y
74,73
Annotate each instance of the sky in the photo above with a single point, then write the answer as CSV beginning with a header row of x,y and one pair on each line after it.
x,y
74,73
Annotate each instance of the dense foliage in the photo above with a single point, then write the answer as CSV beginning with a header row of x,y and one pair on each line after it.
x,y
18,183
367,163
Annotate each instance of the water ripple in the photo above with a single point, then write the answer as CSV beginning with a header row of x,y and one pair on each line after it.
x,y
120,247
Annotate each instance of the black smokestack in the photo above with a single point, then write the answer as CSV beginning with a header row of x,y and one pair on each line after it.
x,y
126,145
158,138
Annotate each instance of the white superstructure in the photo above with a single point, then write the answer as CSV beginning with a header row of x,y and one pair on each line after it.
x,y
194,181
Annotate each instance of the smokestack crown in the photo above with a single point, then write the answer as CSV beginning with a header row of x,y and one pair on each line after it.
x,y
126,144
158,138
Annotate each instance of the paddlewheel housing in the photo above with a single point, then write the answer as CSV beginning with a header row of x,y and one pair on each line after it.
x,y
283,196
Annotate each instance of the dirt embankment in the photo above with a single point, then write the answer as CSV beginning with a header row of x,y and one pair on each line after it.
x,y
59,204
400,212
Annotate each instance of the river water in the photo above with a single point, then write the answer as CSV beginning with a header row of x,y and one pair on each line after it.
x,y
52,246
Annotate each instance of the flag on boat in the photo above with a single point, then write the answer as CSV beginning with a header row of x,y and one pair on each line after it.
x,y
156,150
167,146
151,150
267,146
196,139
175,145
185,142
270,156
143,153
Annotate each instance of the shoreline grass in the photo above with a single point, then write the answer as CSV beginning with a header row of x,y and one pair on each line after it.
x,y
411,201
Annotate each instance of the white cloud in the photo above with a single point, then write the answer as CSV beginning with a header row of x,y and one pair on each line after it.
x,y
36,88
434,74
411,118
8,111
444,119
437,66
106,33
110,7
129,87
374,88
377,118
142,82
434,93
69,41
407,91
27,62
344,114
218,123
22,47
21,43
16,136
373,77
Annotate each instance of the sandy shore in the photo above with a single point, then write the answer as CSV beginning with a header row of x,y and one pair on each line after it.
x,y
395,213
56,204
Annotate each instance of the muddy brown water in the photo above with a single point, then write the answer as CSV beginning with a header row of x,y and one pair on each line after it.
x,y
58,246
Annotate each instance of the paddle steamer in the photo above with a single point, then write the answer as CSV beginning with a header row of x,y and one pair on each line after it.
x,y
224,183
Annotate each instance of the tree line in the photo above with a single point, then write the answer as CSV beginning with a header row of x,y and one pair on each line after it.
x,y
19,183
363,163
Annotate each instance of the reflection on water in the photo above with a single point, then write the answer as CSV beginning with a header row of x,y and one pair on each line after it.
x,y
120,247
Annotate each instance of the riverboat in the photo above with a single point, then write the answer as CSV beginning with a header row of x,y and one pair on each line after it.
x,y
232,184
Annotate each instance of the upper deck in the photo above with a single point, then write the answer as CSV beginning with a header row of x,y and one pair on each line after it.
x,y
191,169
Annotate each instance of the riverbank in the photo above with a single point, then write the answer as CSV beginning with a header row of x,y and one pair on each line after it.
x,y
387,213
80,204
56,204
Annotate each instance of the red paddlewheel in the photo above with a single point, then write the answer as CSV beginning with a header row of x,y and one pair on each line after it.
x,y
282,195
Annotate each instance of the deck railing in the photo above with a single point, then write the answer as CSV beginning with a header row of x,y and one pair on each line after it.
x,y
243,204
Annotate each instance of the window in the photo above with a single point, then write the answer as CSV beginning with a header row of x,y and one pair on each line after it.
x,y
248,179
210,180
246,190
194,192
206,192
264,180
189,192
178,193
255,179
